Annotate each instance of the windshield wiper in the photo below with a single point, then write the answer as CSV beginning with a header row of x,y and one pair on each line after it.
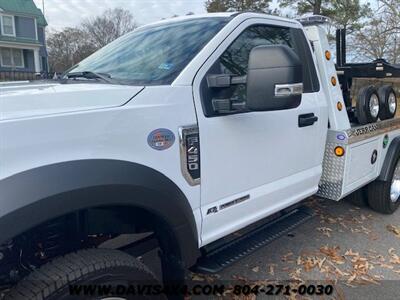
x,y
91,75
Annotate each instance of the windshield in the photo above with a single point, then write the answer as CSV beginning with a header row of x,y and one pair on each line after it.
x,y
153,55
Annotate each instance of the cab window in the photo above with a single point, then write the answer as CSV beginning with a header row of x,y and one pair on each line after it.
x,y
234,61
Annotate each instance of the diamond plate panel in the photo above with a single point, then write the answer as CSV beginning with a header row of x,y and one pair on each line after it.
x,y
331,182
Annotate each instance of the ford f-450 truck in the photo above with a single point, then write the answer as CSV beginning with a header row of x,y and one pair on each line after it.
x,y
184,132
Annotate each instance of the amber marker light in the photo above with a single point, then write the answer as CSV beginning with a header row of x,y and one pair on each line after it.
x,y
339,106
339,151
333,80
327,55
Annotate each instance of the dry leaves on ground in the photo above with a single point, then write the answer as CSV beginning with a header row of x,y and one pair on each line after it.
x,y
325,231
332,253
393,229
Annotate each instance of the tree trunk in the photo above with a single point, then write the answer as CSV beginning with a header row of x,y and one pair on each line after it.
x,y
317,7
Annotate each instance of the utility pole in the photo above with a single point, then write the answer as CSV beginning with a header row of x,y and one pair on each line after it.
x,y
43,7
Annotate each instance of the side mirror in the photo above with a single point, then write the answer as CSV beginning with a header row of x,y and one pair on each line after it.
x,y
274,78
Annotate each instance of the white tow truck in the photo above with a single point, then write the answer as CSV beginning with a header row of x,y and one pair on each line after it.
x,y
187,130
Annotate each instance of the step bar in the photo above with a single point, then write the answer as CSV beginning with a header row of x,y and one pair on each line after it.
x,y
229,253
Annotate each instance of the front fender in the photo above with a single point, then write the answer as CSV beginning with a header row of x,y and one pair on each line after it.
x,y
32,197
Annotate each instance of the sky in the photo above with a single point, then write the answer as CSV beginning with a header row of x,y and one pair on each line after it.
x,y
63,13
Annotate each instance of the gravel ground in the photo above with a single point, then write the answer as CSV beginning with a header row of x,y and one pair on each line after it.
x,y
352,248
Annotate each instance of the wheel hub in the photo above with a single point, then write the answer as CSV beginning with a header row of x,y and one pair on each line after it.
x,y
374,105
395,186
392,103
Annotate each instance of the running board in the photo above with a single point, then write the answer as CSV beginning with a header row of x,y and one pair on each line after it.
x,y
229,253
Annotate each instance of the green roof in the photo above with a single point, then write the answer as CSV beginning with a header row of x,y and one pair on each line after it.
x,y
24,7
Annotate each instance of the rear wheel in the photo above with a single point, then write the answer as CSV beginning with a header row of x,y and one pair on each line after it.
x,y
383,196
359,197
86,268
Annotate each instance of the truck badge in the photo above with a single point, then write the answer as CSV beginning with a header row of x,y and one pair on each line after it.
x,y
161,139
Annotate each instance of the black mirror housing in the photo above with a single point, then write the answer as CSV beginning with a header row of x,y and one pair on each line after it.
x,y
274,78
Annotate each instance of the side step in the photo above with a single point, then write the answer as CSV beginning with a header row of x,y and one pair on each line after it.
x,y
217,259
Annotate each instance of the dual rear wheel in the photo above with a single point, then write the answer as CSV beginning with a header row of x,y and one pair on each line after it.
x,y
381,196
373,103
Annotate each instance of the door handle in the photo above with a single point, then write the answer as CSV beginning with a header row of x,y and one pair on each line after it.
x,y
307,119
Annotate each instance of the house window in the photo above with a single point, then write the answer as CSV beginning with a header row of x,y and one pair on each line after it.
x,y
7,25
13,58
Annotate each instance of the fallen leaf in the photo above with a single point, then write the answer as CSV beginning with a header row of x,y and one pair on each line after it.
x,y
286,256
256,269
340,272
271,270
394,258
197,278
332,254
325,231
351,253
369,280
321,262
351,278
393,229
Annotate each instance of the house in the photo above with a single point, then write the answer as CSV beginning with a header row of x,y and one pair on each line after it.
x,y
22,37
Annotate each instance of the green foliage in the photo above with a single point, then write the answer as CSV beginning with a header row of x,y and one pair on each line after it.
x,y
348,14
237,5
305,6
344,13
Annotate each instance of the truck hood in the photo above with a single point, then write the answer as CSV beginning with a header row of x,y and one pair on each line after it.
x,y
22,100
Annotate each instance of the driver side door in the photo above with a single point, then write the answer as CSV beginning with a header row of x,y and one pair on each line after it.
x,y
254,164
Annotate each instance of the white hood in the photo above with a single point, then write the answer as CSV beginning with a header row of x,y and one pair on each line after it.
x,y
21,100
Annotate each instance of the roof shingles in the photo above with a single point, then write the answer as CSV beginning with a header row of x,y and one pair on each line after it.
x,y
24,7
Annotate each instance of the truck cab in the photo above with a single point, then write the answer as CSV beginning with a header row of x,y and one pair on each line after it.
x,y
190,129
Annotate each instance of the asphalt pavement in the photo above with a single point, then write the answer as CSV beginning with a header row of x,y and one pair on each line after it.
x,y
354,249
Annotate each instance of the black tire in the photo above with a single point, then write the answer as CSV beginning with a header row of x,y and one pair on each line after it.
x,y
379,194
358,198
86,267
384,93
365,96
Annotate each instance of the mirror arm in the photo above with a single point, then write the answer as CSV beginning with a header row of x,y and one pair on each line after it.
x,y
228,105
224,80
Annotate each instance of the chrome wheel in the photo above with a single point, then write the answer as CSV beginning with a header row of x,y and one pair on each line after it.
x,y
395,186
374,105
392,103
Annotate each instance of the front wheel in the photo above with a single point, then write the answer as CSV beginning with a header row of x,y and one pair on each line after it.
x,y
94,274
383,196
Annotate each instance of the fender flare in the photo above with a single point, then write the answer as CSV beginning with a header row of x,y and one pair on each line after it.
x,y
392,155
38,195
